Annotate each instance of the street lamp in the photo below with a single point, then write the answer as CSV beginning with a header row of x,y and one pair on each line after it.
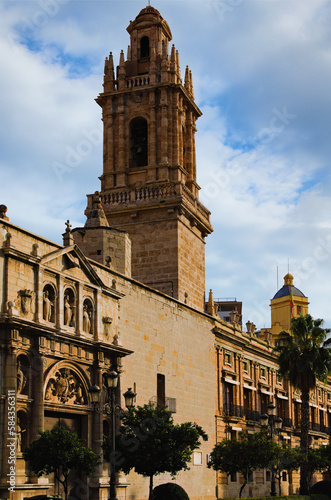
x,y
113,409
274,424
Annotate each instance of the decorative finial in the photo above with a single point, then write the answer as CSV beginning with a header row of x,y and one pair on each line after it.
x,y
68,239
3,210
69,226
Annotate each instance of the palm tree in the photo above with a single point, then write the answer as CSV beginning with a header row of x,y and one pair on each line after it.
x,y
304,357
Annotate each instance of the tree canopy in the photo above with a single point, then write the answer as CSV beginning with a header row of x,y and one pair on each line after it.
x,y
150,443
59,451
244,455
304,356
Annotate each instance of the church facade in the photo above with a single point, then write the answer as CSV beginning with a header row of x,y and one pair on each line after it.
x,y
125,292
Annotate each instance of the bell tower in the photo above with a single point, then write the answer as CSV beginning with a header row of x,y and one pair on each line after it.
x,y
148,185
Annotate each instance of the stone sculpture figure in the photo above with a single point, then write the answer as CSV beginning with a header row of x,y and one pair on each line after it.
x,y
67,311
86,320
47,309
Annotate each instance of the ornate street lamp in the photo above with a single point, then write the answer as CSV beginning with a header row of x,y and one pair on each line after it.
x,y
274,424
113,409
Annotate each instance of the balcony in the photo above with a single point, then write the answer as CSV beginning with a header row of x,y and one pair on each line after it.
x,y
287,422
315,426
252,415
231,410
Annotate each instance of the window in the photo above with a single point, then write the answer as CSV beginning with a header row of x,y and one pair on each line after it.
x,y
233,477
299,310
144,47
264,401
233,435
160,389
263,372
138,143
197,458
228,358
284,476
267,475
250,477
246,367
297,414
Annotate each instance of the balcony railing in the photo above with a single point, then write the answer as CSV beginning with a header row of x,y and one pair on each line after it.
x,y
231,410
252,415
315,426
287,422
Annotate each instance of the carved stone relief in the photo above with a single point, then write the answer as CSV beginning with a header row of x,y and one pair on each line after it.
x,y
26,301
65,387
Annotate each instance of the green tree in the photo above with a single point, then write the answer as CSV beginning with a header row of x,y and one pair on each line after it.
x,y
59,451
319,459
304,357
288,459
244,455
150,443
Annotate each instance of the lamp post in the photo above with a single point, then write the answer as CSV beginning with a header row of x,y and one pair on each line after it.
x,y
113,409
274,424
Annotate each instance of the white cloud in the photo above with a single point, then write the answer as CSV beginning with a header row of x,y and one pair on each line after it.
x,y
261,75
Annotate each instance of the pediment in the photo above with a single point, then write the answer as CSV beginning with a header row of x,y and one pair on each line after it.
x,y
71,261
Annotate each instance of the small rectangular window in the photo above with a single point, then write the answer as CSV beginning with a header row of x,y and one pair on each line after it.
x,y
267,475
233,477
160,389
197,458
228,359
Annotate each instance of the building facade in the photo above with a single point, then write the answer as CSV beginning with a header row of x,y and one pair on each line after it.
x,y
126,292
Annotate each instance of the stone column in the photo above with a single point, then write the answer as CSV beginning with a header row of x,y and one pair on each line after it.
x,y
79,309
189,144
108,154
152,138
194,159
240,373
9,384
164,126
120,134
255,377
176,131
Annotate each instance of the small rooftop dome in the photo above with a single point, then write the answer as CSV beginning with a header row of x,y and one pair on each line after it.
x,y
149,10
287,288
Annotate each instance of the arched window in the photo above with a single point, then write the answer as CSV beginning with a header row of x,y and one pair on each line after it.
x,y
144,47
138,143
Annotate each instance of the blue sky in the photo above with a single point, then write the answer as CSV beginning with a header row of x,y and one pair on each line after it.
x,y
261,73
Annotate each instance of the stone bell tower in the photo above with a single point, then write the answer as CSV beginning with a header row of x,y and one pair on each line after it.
x,y
148,185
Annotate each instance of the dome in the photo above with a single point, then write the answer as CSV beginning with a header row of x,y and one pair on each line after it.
x,y
288,288
149,10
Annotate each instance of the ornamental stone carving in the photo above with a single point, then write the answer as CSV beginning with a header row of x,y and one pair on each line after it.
x,y
65,387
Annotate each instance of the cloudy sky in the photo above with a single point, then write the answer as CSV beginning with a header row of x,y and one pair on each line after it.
x,y
261,72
